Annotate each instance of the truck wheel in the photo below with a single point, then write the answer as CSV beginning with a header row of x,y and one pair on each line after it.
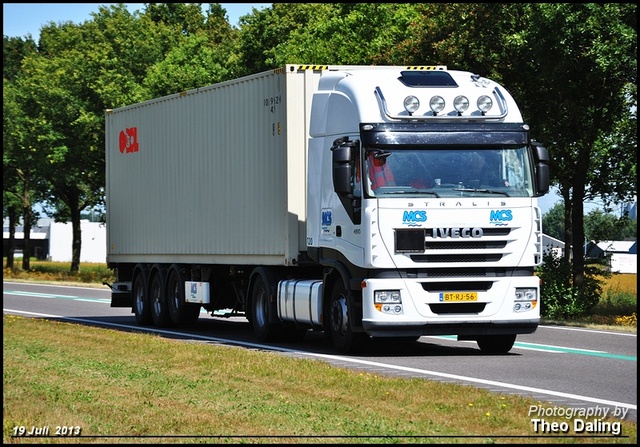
x,y
496,344
141,305
181,312
260,311
342,336
159,311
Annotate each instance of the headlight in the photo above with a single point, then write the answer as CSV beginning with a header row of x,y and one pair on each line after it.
x,y
525,299
388,301
386,296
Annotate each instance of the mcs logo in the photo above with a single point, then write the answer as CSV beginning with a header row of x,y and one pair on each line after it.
x,y
499,216
414,217
326,218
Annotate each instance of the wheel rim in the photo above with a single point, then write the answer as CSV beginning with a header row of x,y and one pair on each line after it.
x,y
157,305
175,297
261,309
139,301
339,319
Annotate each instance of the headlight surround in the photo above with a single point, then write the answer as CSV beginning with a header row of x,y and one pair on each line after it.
x,y
526,298
388,301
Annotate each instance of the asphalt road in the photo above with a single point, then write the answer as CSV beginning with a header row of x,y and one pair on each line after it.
x,y
579,368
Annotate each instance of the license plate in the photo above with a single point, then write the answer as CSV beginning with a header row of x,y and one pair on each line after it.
x,y
459,296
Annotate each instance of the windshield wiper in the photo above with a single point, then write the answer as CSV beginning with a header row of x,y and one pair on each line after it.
x,y
388,190
487,191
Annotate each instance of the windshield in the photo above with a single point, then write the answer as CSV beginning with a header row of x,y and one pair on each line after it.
x,y
451,172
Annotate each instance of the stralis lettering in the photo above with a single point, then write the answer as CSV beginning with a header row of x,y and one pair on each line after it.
x,y
457,232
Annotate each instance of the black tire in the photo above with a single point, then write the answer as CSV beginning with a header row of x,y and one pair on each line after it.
x,y
159,310
180,312
141,304
496,344
261,310
338,313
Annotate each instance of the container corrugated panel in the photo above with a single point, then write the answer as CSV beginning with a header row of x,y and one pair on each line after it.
x,y
214,175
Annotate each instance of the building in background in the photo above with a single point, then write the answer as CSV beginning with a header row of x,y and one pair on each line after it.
x,y
622,255
52,241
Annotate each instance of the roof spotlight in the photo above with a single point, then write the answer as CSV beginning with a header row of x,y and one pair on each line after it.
x,y
484,103
411,104
437,104
461,103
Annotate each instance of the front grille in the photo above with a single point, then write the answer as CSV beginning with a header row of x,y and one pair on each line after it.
x,y
471,257
430,245
466,245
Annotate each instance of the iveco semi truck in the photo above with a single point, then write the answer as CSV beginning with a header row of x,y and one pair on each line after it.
x,y
366,202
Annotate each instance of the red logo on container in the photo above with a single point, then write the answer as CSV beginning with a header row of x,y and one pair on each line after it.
x,y
129,140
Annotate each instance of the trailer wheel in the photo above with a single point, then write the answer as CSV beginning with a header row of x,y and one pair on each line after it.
x,y
260,312
141,304
159,311
342,336
181,312
496,344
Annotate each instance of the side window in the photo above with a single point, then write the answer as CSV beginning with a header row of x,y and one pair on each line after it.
x,y
356,178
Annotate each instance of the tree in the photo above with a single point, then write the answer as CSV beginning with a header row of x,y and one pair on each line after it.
x,y
81,70
21,182
78,73
577,83
553,221
600,226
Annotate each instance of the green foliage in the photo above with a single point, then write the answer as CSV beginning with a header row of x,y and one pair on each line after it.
x,y
600,226
560,299
553,221
190,65
617,304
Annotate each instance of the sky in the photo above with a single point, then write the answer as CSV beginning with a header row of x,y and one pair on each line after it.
x,y
20,19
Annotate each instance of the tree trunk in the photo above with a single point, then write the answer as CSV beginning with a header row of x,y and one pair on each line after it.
x,y
76,243
578,238
11,244
26,247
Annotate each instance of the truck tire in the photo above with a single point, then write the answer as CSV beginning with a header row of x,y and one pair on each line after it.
x,y
141,304
342,336
261,310
496,344
159,311
181,312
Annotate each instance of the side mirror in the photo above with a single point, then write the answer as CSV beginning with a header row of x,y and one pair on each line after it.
x,y
541,157
342,158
